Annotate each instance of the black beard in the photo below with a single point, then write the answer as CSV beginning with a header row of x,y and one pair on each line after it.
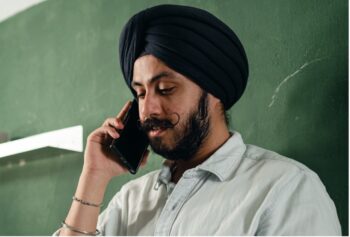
x,y
195,131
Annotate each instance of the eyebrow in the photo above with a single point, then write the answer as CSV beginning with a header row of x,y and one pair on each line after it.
x,y
152,79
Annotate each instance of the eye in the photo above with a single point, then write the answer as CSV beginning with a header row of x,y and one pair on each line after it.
x,y
166,91
140,95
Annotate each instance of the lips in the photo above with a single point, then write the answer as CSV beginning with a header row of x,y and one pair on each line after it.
x,y
156,132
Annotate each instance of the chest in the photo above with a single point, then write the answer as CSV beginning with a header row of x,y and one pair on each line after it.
x,y
202,205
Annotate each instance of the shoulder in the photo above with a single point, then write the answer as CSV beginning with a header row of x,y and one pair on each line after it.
x,y
275,170
269,160
261,155
288,183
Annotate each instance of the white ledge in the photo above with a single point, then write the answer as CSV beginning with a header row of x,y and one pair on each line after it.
x,y
67,138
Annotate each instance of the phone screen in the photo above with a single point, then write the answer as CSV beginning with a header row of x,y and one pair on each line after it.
x,y
132,143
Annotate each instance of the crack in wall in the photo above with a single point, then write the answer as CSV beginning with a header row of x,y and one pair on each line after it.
x,y
286,79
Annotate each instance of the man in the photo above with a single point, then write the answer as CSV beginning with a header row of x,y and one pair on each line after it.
x,y
186,68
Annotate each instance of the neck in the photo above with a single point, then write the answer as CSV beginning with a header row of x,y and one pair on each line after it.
x,y
214,140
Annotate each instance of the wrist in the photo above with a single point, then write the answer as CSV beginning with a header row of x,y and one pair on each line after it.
x,y
95,175
91,186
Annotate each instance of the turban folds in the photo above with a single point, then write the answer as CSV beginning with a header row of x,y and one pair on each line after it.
x,y
190,41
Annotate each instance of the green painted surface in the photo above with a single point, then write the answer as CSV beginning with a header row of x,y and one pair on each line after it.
x,y
59,68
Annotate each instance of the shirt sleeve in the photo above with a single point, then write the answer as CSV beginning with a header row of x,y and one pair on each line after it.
x,y
301,207
110,221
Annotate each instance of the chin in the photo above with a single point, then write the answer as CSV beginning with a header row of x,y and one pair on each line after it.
x,y
160,145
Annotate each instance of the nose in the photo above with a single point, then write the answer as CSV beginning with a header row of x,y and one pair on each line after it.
x,y
149,106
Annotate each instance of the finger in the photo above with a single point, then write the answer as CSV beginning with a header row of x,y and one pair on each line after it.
x,y
113,122
117,121
103,134
124,110
111,132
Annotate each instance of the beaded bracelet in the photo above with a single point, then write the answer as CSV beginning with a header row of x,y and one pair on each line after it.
x,y
86,203
71,228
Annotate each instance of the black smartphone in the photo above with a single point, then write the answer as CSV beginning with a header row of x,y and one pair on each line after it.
x,y
130,147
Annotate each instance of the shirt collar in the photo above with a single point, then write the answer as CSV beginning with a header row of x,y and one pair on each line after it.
x,y
224,161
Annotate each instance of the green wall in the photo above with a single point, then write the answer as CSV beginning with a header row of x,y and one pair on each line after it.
x,y
59,67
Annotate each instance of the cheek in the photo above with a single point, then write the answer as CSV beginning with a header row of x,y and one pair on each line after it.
x,y
174,115
184,116
140,108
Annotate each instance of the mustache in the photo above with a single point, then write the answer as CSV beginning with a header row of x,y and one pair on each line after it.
x,y
154,123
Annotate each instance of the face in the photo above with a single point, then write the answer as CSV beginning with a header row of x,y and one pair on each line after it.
x,y
173,110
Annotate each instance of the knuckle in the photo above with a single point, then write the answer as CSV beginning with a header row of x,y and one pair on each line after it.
x,y
117,121
107,122
90,136
112,131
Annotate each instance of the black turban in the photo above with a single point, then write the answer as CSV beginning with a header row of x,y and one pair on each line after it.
x,y
190,41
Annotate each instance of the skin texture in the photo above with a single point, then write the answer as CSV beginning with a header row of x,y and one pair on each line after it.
x,y
190,133
162,93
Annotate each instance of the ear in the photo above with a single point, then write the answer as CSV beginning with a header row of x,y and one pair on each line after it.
x,y
218,109
215,102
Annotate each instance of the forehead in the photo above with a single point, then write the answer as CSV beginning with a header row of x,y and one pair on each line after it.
x,y
149,69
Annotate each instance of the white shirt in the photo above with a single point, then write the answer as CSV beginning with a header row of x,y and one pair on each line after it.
x,y
240,190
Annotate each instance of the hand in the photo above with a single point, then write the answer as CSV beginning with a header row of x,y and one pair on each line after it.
x,y
98,159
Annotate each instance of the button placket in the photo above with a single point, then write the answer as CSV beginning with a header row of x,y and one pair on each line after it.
x,y
175,201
